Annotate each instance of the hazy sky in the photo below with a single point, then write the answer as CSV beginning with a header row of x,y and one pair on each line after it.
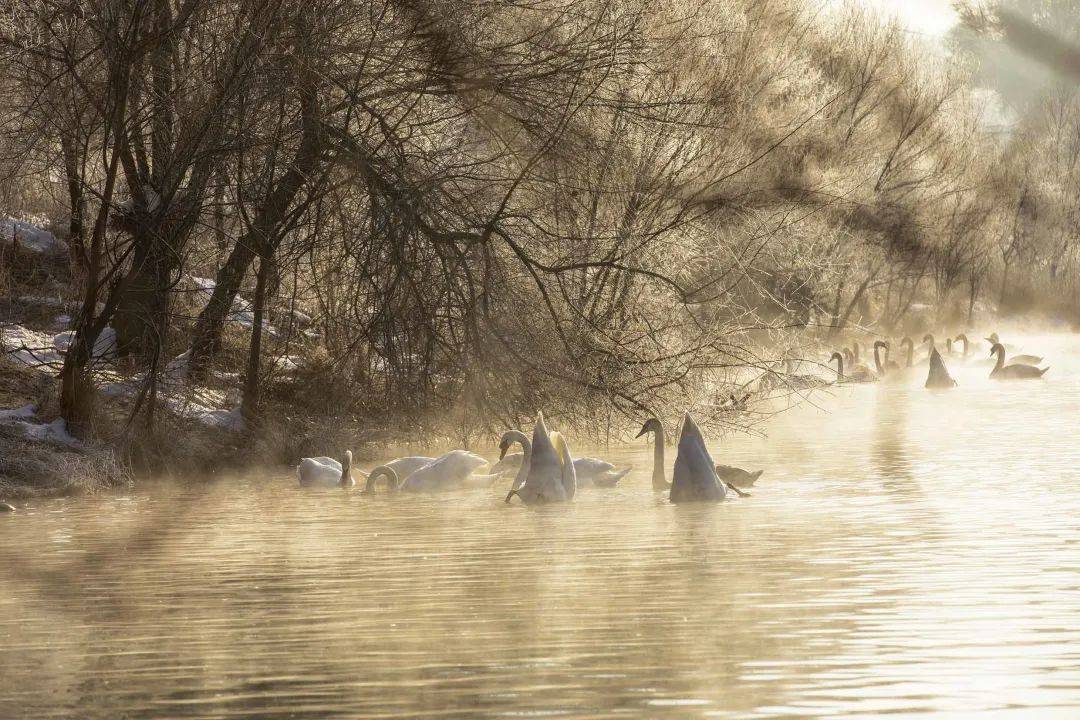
x,y
932,17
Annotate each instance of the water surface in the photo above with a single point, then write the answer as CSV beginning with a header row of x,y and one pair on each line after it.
x,y
908,552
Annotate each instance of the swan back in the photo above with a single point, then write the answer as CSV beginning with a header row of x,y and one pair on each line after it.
x,y
694,477
544,481
320,472
444,472
938,377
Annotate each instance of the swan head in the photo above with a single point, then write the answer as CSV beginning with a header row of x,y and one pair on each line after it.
x,y
907,340
994,338
837,356
881,344
504,445
962,337
651,425
996,348
928,338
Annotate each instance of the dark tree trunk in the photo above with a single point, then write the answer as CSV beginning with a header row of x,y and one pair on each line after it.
x,y
250,402
262,238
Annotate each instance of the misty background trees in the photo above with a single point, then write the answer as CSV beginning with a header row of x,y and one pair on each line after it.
x,y
477,209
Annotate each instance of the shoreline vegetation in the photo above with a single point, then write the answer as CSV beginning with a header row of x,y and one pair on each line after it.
x,y
237,238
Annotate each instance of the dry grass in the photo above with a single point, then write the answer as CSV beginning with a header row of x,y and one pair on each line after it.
x,y
35,469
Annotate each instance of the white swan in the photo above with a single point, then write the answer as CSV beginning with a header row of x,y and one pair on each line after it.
x,y
653,425
325,472
445,472
733,477
546,474
589,470
694,478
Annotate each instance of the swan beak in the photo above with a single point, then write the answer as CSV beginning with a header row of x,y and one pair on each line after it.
x,y
643,431
510,495
502,452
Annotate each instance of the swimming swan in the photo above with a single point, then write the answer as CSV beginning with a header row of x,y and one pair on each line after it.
x,y
938,377
1002,371
694,478
859,373
737,477
1017,359
546,474
446,472
589,470
325,472
733,477
888,367
393,484
653,425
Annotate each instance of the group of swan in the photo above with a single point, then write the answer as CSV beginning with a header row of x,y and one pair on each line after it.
x,y
408,474
1019,367
546,472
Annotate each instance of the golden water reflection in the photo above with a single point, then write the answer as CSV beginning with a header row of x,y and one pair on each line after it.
x,y
907,552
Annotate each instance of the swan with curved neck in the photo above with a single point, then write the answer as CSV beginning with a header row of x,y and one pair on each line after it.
x,y
392,482
733,477
548,475
888,367
839,365
653,425
326,471
587,470
1002,371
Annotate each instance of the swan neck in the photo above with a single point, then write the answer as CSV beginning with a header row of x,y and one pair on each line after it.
x,y
658,480
877,359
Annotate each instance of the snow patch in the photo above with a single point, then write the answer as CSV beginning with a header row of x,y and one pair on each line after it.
x,y
33,349
104,347
231,420
19,413
30,237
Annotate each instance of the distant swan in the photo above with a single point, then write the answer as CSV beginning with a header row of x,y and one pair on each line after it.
x,y
888,367
938,377
546,474
1017,359
733,477
859,373
325,472
1002,371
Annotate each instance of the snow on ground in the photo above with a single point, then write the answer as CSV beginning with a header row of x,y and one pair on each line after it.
x,y
242,311
54,432
19,413
104,348
33,349
30,237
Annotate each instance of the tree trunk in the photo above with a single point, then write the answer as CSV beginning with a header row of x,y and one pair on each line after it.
x,y
250,402
263,238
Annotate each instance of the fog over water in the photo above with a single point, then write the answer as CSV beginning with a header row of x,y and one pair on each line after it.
x,y
906,552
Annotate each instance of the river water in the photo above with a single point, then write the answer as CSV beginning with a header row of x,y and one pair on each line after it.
x,y
907,552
